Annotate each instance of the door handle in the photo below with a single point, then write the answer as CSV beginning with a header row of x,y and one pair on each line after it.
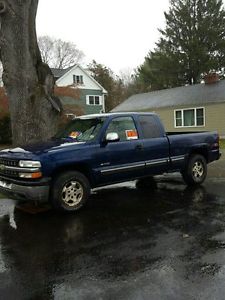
x,y
139,147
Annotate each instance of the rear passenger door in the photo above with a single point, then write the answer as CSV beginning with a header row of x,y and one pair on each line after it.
x,y
155,144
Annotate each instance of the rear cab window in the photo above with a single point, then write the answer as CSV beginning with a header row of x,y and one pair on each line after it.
x,y
150,127
124,127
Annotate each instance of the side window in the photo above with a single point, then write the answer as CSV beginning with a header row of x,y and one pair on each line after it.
x,y
124,127
150,127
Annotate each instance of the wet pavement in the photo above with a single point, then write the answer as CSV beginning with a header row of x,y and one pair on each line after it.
x,y
128,243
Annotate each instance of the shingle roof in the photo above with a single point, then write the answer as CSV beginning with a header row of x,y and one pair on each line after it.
x,y
59,72
196,95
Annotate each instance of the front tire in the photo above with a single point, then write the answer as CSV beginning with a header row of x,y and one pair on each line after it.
x,y
195,171
70,191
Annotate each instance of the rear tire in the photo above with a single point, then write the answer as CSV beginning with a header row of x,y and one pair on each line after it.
x,y
70,191
195,171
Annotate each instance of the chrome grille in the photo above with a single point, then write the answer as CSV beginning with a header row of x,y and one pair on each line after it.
x,y
8,163
9,173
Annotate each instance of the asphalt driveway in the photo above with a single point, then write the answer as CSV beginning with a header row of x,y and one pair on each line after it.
x,y
164,242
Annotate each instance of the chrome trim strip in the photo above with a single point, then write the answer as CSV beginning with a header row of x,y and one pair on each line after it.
x,y
177,158
147,164
127,168
21,169
157,162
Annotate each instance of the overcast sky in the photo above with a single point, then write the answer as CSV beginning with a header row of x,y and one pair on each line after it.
x,y
116,33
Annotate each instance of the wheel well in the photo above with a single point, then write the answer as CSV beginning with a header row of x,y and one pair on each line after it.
x,y
200,151
82,168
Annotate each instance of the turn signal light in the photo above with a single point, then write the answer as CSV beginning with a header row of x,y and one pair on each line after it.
x,y
36,175
30,175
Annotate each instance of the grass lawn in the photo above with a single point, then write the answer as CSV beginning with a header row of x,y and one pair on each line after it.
x,y
222,144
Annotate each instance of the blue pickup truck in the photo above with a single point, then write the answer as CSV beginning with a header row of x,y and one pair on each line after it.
x,y
98,150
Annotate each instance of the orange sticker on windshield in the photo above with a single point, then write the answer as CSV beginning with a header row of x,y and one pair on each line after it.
x,y
74,134
131,134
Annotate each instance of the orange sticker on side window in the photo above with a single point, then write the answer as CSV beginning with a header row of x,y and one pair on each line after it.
x,y
131,134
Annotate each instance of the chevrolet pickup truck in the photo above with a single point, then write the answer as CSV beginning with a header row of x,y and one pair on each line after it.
x,y
103,149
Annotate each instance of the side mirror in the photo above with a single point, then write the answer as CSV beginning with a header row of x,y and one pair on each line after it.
x,y
112,137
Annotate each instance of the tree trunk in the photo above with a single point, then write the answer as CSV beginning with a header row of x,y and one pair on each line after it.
x,y
28,81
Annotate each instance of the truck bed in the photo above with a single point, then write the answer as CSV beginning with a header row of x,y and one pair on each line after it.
x,y
184,143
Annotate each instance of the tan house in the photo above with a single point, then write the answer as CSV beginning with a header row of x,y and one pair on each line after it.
x,y
199,107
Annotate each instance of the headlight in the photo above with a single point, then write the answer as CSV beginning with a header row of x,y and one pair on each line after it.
x,y
31,175
29,164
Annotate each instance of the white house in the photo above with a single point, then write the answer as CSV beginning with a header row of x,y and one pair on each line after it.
x,y
92,94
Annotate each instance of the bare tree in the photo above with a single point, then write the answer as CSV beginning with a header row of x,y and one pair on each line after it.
x,y
46,44
126,76
58,53
28,81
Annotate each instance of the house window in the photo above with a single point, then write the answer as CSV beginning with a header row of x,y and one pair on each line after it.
x,y
191,117
78,79
93,100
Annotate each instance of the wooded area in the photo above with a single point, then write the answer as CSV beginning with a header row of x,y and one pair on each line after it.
x,y
191,45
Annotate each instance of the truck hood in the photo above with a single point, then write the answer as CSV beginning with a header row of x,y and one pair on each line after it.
x,y
31,150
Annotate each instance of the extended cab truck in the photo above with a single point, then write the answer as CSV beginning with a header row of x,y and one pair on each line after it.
x,y
97,150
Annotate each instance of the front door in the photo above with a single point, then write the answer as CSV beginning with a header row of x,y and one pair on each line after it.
x,y
123,159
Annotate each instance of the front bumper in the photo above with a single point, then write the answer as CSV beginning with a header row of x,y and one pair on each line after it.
x,y
25,190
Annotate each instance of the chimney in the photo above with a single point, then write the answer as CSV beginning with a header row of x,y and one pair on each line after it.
x,y
211,78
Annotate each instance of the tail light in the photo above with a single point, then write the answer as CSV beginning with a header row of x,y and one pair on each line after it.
x,y
217,143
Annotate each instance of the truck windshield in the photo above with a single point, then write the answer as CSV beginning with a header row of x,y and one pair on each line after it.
x,y
82,130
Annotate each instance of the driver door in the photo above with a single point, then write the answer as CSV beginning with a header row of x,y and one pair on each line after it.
x,y
123,158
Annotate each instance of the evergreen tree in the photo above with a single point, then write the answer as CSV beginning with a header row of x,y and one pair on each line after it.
x,y
191,45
